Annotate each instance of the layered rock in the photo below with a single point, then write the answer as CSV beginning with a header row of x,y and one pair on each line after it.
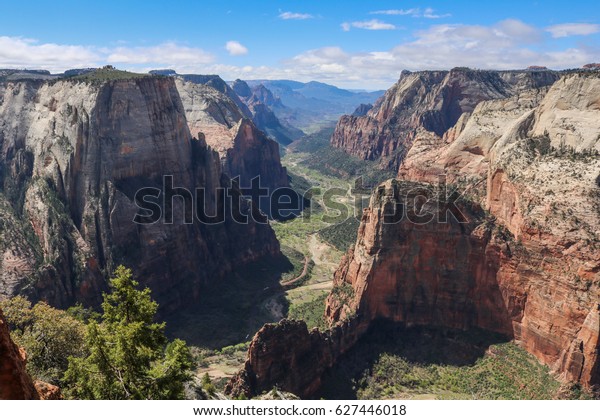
x,y
514,251
425,105
15,382
215,82
534,275
292,358
73,156
245,151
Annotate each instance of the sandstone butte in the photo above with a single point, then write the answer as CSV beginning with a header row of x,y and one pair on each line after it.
x,y
75,152
521,148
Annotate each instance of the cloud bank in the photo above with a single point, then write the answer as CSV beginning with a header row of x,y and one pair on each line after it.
x,y
508,44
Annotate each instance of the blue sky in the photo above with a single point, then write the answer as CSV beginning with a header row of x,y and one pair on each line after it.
x,y
358,44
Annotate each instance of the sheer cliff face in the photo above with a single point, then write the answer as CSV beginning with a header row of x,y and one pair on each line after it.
x,y
531,268
245,150
424,105
73,155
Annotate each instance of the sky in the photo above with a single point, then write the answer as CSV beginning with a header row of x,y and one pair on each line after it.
x,y
351,44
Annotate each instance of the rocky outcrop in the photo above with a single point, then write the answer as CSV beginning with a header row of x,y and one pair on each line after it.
x,y
15,382
245,151
530,270
425,105
362,110
215,82
292,358
495,243
48,391
73,156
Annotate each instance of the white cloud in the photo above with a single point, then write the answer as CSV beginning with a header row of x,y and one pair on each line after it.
x,y
372,25
504,45
166,53
295,16
18,52
429,14
508,44
397,12
569,29
235,48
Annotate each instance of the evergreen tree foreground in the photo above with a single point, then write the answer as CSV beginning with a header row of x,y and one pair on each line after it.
x,y
129,355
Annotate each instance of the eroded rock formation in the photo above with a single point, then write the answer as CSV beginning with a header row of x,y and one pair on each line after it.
x,y
245,151
531,163
73,154
426,104
261,102
291,357
515,251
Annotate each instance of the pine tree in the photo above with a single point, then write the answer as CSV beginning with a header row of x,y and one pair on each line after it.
x,y
129,357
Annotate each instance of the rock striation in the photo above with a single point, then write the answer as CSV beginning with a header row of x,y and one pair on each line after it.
x,y
531,268
480,230
426,104
245,151
73,154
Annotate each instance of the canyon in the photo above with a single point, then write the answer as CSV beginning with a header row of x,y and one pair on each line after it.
x,y
492,223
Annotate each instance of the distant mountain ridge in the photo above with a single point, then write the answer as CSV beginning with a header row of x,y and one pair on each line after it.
x,y
261,102
309,104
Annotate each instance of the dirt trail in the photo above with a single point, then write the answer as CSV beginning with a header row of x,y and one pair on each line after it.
x,y
301,276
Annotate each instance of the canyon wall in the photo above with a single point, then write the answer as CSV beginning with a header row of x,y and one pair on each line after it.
x,y
531,268
245,151
425,105
73,154
493,223
261,101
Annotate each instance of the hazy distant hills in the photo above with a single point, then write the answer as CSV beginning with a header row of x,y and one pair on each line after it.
x,y
309,105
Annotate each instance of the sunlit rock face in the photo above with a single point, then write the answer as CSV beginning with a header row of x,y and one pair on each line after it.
x,y
73,155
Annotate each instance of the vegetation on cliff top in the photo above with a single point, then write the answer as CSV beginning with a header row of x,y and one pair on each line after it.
x,y
109,73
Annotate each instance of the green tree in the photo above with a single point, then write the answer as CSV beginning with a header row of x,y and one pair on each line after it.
x,y
49,336
130,357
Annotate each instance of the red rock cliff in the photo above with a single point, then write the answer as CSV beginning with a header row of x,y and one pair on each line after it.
x,y
291,357
15,382
520,256
425,105
531,268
